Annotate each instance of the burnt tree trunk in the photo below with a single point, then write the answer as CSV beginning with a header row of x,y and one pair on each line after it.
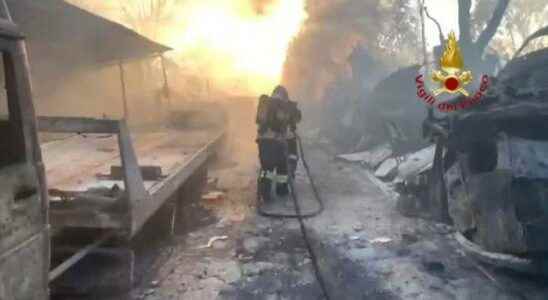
x,y
473,50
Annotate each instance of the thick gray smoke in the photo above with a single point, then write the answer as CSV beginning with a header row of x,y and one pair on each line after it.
x,y
385,29
342,52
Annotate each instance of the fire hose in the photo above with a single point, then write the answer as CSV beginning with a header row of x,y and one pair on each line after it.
x,y
317,195
299,216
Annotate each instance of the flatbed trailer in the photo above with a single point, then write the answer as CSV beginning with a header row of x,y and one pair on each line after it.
x,y
105,180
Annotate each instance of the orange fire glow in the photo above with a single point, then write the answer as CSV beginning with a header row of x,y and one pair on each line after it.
x,y
231,40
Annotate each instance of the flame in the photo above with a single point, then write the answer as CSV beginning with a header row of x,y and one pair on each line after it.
x,y
452,57
230,39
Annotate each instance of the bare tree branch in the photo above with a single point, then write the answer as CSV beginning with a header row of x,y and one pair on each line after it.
x,y
491,29
440,31
513,39
539,33
464,21
423,33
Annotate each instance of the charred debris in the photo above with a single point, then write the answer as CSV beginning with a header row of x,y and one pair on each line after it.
x,y
484,169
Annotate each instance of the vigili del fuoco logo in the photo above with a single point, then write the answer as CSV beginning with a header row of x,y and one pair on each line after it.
x,y
451,81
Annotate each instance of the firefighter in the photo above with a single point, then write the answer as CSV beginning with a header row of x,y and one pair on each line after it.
x,y
277,119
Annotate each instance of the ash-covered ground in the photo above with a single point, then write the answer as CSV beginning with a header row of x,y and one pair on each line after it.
x,y
365,248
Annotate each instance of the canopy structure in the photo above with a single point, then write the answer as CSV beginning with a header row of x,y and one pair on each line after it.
x,y
59,31
64,41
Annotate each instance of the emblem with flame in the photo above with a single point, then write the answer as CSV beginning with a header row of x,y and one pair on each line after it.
x,y
452,77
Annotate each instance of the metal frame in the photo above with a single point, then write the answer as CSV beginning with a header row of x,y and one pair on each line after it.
x,y
140,204
123,83
161,193
132,176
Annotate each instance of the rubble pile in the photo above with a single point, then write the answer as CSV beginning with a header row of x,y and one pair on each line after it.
x,y
407,174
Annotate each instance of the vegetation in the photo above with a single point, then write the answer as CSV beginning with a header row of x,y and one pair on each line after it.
x,y
522,18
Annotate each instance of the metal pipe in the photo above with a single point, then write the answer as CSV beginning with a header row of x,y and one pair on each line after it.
x,y
166,83
124,92
78,256
20,246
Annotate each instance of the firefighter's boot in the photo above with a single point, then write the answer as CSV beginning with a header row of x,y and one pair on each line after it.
x,y
264,186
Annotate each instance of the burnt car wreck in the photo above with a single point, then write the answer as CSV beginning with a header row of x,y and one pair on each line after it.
x,y
490,170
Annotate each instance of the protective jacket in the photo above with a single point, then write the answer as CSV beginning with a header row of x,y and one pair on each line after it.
x,y
277,118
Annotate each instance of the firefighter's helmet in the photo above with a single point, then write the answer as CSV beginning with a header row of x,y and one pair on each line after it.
x,y
280,92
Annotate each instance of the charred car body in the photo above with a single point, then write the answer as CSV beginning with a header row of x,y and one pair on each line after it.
x,y
490,171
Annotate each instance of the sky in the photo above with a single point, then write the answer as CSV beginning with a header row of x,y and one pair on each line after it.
x,y
446,12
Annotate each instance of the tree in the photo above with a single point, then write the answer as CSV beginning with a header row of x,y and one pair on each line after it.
x,y
148,16
473,50
399,38
523,17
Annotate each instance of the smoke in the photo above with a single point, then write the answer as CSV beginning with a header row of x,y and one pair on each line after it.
x,y
320,53
343,50
235,46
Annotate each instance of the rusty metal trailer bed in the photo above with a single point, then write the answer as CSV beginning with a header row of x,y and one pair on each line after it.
x,y
103,178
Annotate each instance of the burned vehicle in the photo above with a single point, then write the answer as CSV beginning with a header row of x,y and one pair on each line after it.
x,y
490,171
24,230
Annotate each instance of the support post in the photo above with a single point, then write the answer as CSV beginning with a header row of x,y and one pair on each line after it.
x,y
208,89
166,83
124,92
